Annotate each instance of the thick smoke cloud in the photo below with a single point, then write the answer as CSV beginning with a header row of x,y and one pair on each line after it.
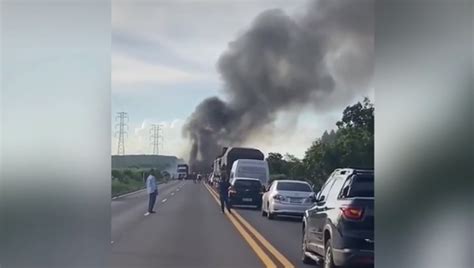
x,y
280,62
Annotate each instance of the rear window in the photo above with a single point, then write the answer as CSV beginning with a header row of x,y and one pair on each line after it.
x,y
361,186
248,184
293,186
254,172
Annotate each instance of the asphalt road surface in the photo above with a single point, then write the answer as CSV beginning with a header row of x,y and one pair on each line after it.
x,y
189,230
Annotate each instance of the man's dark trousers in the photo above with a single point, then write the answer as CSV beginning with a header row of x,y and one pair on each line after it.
x,y
152,200
224,201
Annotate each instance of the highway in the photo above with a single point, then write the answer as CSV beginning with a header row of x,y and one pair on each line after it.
x,y
189,230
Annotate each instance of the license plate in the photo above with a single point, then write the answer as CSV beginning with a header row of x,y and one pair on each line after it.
x,y
247,199
293,200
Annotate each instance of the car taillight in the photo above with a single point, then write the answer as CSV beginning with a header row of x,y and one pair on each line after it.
x,y
279,197
352,213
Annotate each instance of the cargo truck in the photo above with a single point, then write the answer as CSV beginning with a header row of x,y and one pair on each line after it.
x,y
183,171
223,163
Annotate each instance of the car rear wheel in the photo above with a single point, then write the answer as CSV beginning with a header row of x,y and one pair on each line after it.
x,y
328,260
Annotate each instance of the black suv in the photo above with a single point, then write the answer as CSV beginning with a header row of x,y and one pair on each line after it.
x,y
339,228
246,191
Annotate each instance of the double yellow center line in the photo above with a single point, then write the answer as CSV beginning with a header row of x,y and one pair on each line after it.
x,y
262,246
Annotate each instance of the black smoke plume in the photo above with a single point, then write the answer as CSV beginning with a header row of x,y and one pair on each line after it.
x,y
319,59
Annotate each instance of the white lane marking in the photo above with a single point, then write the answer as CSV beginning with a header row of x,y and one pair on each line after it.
x,y
164,200
146,214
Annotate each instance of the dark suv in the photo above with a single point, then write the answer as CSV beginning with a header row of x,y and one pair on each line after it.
x,y
246,191
339,228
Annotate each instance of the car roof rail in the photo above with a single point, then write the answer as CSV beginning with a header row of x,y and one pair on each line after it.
x,y
363,171
343,171
352,170
336,171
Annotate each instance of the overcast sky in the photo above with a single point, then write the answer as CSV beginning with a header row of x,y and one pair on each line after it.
x,y
164,56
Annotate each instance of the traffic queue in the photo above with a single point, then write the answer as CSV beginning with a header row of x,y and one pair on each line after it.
x,y
337,221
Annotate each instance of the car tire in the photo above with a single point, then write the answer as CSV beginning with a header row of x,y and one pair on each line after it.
x,y
305,259
328,260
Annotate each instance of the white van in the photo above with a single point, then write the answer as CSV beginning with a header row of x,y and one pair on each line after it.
x,y
249,168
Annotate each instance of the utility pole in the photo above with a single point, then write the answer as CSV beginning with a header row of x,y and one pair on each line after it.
x,y
156,138
121,129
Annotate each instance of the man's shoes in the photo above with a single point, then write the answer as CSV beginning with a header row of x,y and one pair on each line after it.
x,y
152,211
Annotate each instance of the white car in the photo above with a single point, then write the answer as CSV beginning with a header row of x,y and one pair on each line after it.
x,y
287,198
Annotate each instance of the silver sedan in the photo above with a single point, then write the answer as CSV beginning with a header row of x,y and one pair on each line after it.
x,y
287,198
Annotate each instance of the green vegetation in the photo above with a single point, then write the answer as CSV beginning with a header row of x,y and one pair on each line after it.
x,y
129,180
351,145
122,187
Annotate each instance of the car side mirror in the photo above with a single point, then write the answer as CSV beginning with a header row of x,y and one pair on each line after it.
x,y
318,193
320,199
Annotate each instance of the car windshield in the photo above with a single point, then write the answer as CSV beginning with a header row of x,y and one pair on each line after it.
x,y
362,186
252,172
247,184
293,186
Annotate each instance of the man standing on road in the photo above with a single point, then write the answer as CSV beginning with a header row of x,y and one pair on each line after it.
x,y
224,193
152,190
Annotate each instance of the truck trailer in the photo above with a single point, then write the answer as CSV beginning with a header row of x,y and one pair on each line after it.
x,y
223,163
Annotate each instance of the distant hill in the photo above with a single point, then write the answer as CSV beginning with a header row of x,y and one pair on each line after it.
x,y
162,162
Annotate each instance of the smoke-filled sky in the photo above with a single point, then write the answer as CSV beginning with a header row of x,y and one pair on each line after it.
x,y
170,57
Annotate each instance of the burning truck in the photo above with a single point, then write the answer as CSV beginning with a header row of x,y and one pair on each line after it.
x,y
241,162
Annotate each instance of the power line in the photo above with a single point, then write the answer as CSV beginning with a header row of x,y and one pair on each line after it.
x,y
156,138
121,129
